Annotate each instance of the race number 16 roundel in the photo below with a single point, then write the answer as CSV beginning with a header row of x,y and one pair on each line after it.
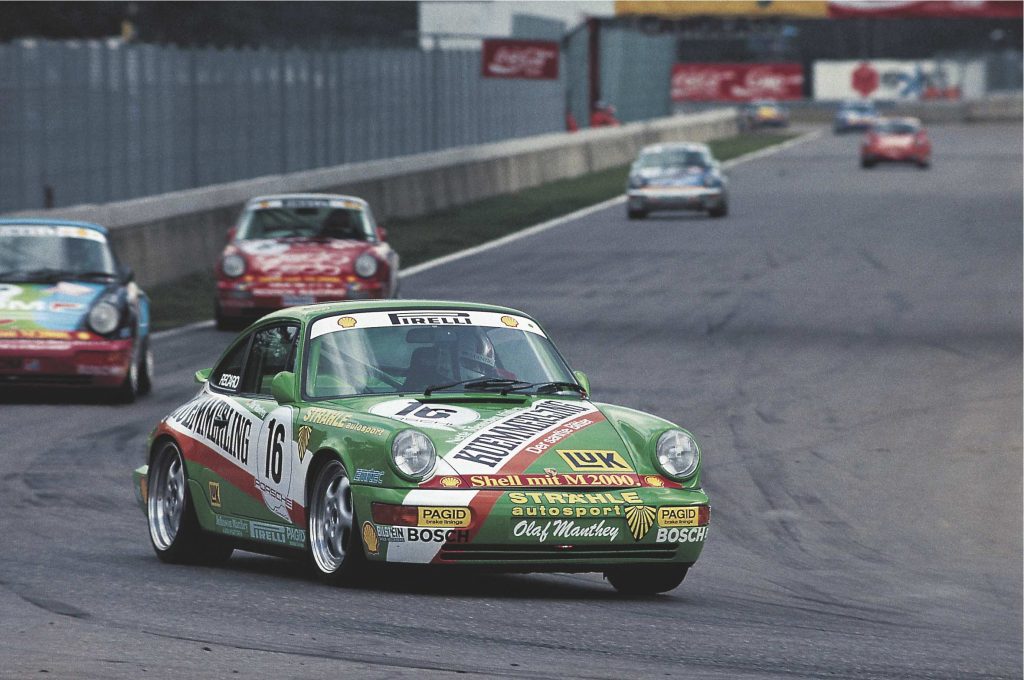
x,y
274,460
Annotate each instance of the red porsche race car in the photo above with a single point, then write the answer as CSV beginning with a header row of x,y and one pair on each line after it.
x,y
298,249
898,140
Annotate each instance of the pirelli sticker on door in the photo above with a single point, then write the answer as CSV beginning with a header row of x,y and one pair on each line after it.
x,y
678,516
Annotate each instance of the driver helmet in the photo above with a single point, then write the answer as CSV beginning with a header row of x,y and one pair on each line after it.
x,y
476,356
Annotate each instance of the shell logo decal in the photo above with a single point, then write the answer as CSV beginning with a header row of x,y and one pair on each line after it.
x,y
451,482
509,321
640,519
370,538
346,322
654,481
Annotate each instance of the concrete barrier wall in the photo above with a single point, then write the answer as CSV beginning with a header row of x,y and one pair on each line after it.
x,y
167,236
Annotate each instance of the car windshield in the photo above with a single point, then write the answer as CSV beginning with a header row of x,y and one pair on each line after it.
x,y
673,158
418,350
34,252
307,218
895,128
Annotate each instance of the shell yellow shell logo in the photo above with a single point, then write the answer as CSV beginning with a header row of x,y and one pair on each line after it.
x,y
82,336
346,322
654,481
509,321
451,481
370,538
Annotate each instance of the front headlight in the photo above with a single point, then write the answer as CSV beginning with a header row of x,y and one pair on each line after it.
x,y
637,182
233,265
103,318
677,453
366,265
413,454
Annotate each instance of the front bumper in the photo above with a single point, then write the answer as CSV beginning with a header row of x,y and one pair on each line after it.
x,y
894,155
533,530
675,198
240,298
65,363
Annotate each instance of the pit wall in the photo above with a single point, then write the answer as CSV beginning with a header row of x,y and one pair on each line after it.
x,y
170,235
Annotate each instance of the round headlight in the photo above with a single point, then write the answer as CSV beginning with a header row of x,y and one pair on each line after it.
x,y
103,318
413,454
366,265
678,454
233,265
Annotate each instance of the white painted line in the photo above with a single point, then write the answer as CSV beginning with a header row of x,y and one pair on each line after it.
x,y
583,212
171,332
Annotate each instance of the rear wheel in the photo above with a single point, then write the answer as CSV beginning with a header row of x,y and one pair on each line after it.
x,y
865,163
720,210
174,531
636,214
923,164
646,580
335,548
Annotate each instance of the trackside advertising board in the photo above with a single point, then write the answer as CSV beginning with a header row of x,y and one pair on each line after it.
x,y
736,82
529,59
897,80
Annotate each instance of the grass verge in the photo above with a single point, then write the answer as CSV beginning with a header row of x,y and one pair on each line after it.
x,y
419,239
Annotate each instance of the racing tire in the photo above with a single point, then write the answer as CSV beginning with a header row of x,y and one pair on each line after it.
x,y
145,369
174,531
924,165
647,579
636,214
333,539
131,387
866,164
719,211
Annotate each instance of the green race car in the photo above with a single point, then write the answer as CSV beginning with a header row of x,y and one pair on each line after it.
x,y
419,432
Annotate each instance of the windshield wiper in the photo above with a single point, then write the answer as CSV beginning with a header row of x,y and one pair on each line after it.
x,y
478,383
89,275
548,387
41,275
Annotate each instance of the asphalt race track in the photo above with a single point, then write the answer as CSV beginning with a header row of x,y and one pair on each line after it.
x,y
846,346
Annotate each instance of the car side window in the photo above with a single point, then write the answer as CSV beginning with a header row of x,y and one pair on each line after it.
x,y
227,376
273,351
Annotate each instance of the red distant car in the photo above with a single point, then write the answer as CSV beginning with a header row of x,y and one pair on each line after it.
x,y
901,140
298,249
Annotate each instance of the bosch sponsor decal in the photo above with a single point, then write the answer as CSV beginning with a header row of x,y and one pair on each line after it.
x,y
453,517
570,504
372,477
595,461
562,529
440,416
423,317
323,416
533,430
687,516
216,423
691,535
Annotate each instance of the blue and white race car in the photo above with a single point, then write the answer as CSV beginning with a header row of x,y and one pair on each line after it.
x,y
855,115
677,176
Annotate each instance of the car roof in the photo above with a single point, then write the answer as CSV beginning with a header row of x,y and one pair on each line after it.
x,y
52,223
311,312
675,146
282,197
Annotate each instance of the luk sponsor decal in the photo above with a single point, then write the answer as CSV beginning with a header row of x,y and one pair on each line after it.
x,y
561,529
428,318
323,416
455,517
534,430
571,504
218,423
303,440
691,535
640,519
440,416
214,489
370,538
363,476
595,461
679,516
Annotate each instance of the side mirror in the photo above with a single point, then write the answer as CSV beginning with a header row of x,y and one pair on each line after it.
x,y
127,273
382,233
583,380
283,388
203,375
231,234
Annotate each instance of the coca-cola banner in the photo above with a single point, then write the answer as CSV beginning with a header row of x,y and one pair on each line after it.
x,y
736,82
534,59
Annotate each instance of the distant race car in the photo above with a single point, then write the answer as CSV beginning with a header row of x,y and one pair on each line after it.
x,y
71,314
855,115
676,176
297,249
419,432
764,113
899,140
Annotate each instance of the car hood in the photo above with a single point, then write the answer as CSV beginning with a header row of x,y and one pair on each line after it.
x,y
302,257
29,308
492,437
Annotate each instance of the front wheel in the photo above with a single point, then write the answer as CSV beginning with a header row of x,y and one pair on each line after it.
x,y
720,210
335,548
636,214
646,580
867,164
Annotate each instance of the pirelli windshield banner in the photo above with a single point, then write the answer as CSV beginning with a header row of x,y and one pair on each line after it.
x,y
410,318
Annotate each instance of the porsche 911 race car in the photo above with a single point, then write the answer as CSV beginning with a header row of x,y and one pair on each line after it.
x,y
677,176
898,140
419,432
764,113
71,315
297,249
855,115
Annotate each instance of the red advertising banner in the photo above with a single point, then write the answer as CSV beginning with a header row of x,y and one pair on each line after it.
x,y
532,59
736,82
947,9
